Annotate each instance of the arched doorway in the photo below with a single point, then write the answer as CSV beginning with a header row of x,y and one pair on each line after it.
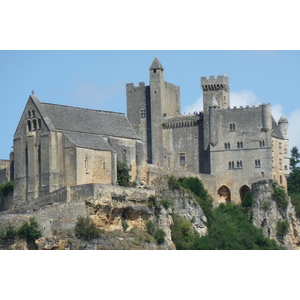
x,y
224,193
243,190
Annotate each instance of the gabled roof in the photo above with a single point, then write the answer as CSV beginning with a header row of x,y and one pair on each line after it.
x,y
82,120
89,141
156,64
275,130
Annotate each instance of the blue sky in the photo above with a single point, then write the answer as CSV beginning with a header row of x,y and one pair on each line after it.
x,y
97,79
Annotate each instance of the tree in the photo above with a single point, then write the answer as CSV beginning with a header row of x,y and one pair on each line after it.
x,y
294,178
123,176
30,231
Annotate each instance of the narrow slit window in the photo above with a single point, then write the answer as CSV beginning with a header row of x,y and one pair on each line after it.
x,y
182,159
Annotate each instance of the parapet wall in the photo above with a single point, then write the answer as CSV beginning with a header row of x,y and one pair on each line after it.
x,y
155,173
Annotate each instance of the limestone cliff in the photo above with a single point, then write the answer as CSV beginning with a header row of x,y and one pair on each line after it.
x,y
267,213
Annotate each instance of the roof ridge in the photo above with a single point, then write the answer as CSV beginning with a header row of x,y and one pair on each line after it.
x,y
82,108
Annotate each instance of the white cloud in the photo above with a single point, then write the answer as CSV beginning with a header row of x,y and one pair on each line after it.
x,y
243,98
196,106
294,134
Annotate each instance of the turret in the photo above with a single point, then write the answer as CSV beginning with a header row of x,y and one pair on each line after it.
x,y
266,117
283,126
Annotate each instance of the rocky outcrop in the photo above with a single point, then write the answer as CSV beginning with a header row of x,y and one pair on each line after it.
x,y
267,213
122,213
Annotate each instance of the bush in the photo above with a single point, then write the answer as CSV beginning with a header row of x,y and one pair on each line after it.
x,y
150,227
10,232
124,224
295,198
30,231
6,188
159,235
279,196
152,202
195,186
86,229
123,176
182,233
248,200
282,227
166,203
232,230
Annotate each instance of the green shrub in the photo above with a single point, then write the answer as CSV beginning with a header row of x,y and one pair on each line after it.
x,y
29,231
6,188
10,232
166,203
123,176
279,196
159,235
195,186
86,229
295,198
150,227
248,200
141,236
231,229
152,202
182,233
124,224
174,184
282,227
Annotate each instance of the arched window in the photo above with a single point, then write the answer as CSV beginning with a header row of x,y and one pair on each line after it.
x,y
225,146
242,145
229,165
238,164
224,193
34,125
238,145
232,164
29,125
228,146
33,113
243,190
241,164
230,127
39,124
29,114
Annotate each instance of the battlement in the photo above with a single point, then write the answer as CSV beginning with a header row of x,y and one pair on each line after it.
x,y
181,121
248,107
131,85
212,83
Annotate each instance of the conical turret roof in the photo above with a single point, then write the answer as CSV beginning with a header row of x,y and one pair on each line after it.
x,y
156,65
283,119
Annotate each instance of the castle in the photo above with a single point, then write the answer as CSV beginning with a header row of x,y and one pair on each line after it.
x,y
229,148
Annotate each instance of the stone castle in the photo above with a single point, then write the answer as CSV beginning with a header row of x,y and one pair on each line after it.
x,y
229,149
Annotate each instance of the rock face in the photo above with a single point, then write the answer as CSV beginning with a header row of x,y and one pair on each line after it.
x,y
267,214
123,215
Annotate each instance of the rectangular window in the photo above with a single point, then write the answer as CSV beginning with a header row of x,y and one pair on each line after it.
x,y
143,113
182,159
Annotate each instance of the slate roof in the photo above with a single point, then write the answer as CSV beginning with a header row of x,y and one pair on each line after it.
x,y
83,120
156,64
89,141
275,130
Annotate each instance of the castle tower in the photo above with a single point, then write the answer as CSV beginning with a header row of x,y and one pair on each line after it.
x,y
213,128
283,126
217,88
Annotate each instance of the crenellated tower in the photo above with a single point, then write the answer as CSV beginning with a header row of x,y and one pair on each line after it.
x,y
217,88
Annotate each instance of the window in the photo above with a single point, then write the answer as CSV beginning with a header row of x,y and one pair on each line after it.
x,y
227,146
240,145
29,114
143,113
239,164
39,124
229,165
257,163
33,113
262,144
182,159
34,125
232,127
286,167
104,166
29,125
